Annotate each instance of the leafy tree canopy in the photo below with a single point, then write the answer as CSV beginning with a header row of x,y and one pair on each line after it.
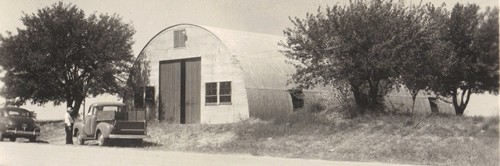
x,y
64,56
359,46
473,38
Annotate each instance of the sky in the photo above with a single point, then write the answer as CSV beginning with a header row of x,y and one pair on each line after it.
x,y
148,17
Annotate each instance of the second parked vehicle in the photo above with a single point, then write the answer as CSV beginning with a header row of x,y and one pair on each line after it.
x,y
17,122
106,121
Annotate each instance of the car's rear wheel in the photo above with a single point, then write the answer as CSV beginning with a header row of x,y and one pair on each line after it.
x,y
12,139
32,139
101,141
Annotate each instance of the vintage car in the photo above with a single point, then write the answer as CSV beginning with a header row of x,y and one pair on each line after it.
x,y
17,122
104,121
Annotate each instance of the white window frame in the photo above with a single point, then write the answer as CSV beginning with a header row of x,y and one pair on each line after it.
x,y
218,95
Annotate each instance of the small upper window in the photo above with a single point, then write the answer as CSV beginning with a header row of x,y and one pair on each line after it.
x,y
225,92
180,38
211,93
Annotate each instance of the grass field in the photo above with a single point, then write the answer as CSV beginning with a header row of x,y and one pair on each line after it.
x,y
392,138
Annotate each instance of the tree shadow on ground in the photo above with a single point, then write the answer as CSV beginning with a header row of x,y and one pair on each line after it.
x,y
126,143
41,142
25,140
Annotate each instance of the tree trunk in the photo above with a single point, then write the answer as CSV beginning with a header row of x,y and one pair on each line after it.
x,y
359,97
69,103
464,100
74,103
459,111
414,94
373,95
76,108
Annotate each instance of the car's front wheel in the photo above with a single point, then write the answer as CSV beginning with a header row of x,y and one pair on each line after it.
x,y
101,141
79,138
12,139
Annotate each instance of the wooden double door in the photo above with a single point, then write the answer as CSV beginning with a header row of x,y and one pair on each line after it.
x,y
180,83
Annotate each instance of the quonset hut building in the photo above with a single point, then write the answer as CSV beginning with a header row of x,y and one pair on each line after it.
x,y
201,74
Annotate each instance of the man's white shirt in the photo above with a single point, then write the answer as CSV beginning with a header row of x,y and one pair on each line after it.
x,y
68,120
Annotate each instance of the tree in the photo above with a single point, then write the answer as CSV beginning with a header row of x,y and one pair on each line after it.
x,y
63,56
422,49
357,46
138,79
473,37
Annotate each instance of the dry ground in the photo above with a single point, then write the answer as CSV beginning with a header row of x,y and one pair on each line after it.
x,y
391,138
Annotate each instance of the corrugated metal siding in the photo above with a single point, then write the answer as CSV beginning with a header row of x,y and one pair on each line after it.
x,y
266,104
327,99
401,100
264,67
265,71
422,105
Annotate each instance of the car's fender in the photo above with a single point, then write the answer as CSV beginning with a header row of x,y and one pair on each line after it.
x,y
78,126
3,126
105,129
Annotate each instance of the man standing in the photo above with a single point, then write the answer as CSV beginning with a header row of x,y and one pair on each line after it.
x,y
68,125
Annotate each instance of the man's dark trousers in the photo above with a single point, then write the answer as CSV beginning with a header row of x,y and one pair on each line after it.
x,y
69,134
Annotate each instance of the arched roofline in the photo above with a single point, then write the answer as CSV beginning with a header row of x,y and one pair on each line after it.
x,y
165,29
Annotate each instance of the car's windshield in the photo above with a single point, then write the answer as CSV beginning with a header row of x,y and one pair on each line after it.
x,y
17,113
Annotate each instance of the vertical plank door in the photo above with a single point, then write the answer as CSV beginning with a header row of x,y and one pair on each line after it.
x,y
170,92
192,90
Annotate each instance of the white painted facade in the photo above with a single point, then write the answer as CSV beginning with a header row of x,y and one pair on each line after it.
x,y
217,65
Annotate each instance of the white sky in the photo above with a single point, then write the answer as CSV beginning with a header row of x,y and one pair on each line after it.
x,y
149,17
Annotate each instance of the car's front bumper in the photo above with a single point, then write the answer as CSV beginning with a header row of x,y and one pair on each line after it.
x,y
22,133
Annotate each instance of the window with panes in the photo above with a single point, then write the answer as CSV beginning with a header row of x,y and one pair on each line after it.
x,y
211,93
218,93
225,92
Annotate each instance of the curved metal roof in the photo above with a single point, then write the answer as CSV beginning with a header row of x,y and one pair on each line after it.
x,y
264,67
